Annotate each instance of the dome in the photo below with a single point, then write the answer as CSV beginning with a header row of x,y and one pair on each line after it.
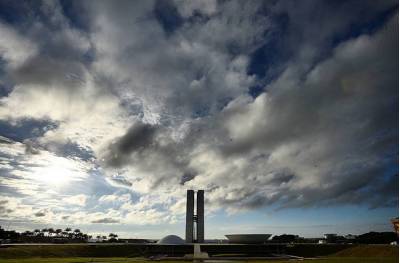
x,y
171,240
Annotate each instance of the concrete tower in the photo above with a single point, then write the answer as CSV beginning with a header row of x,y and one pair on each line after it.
x,y
191,218
200,216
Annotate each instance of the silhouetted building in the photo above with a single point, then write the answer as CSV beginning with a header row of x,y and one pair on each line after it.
x,y
195,223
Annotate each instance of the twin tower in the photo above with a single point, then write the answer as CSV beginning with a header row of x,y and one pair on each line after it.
x,y
195,223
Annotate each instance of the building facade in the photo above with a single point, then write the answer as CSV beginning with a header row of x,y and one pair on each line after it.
x,y
194,223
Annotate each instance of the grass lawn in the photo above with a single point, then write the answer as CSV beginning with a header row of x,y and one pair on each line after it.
x,y
139,260
132,254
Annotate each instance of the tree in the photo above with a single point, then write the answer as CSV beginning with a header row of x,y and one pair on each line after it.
x,y
377,238
36,232
27,233
51,231
58,231
77,233
112,237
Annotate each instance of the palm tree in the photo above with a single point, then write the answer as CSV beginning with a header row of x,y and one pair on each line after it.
x,y
51,231
58,231
44,231
77,233
112,237
67,232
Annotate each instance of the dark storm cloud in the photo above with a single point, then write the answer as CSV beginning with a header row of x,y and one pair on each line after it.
x,y
105,221
346,101
139,137
168,15
318,138
149,149
187,177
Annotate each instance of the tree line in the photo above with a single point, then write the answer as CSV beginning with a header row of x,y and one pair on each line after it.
x,y
51,235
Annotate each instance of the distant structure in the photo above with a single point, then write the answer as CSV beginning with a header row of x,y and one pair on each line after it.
x,y
195,223
171,240
395,222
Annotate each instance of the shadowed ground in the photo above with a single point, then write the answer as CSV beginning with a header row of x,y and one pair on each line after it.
x,y
83,253
133,260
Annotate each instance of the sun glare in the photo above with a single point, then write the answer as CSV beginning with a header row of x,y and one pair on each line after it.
x,y
57,172
54,175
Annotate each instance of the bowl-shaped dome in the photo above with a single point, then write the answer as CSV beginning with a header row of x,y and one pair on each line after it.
x,y
248,238
171,240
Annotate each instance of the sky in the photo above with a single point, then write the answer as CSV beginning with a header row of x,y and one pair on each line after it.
x,y
284,112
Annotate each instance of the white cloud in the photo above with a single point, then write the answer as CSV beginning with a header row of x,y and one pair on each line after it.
x,y
115,198
79,200
14,48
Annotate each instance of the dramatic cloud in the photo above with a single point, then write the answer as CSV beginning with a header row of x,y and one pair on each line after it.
x,y
311,139
138,138
115,109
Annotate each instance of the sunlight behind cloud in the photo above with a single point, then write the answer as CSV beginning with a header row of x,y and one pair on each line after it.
x,y
54,175
58,171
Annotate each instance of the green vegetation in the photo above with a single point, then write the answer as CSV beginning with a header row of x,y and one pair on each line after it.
x,y
64,251
369,251
133,254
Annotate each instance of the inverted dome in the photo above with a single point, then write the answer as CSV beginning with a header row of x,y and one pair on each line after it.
x,y
171,240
